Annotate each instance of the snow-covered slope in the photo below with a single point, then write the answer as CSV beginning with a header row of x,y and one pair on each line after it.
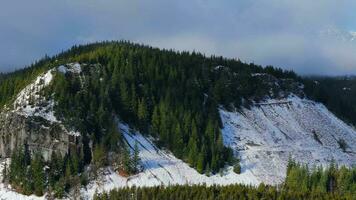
x,y
162,168
264,137
30,101
268,133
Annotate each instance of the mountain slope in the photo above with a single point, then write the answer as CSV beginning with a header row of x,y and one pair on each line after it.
x,y
160,167
264,136
267,134
190,115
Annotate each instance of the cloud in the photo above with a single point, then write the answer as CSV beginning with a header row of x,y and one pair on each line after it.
x,y
275,32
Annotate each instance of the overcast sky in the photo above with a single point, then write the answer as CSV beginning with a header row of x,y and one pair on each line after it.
x,y
303,35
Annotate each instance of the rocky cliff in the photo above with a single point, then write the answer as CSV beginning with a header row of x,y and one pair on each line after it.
x,y
38,133
30,120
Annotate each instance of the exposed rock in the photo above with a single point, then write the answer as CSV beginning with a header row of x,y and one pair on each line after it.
x,y
39,133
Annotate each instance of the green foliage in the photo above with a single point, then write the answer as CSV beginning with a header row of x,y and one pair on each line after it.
x,y
300,183
237,168
154,91
131,162
136,158
341,181
29,174
173,96
99,156
342,144
338,94
38,174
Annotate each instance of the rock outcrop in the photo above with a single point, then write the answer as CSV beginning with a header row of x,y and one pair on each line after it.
x,y
39,134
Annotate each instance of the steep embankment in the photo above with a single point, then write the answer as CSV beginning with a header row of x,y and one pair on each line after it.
x,y
266,135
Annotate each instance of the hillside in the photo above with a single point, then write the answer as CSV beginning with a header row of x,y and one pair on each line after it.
x,y
115,114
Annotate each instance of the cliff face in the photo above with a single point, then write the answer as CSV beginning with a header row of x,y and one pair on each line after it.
x,y
30,120
38,133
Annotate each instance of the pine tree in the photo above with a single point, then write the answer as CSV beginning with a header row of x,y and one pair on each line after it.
x,y
133,102
126,161
136,158
193,151
155,122
200,163
99,156
37,166
142,115
124,95
28,184
178,141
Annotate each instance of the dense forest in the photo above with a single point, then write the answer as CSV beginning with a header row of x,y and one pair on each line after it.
x,y
337,93
172,96
152,90
301,183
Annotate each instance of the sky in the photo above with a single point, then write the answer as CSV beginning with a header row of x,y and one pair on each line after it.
x,y
309,37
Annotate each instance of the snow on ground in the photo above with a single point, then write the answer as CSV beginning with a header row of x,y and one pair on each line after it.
x,y
30,101
264,137
268,133
162,168
7,193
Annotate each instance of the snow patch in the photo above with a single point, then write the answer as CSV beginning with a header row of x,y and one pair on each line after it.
x,y
219,67
7,193
265,135
31,102
71,67
258,74
162,168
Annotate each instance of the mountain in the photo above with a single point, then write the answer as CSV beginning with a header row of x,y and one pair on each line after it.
x,y
338,35
115,114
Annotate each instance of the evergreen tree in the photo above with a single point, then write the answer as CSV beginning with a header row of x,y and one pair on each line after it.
x,y
155,122
37,168
136,158
142,115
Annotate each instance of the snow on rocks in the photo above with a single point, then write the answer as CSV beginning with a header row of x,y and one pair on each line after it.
x,y
219,67
31,102
162,168
71,67
266,135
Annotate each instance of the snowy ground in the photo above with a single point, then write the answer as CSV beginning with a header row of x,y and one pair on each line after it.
x,y
267,134
162,168
264,137
30,101
7,193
